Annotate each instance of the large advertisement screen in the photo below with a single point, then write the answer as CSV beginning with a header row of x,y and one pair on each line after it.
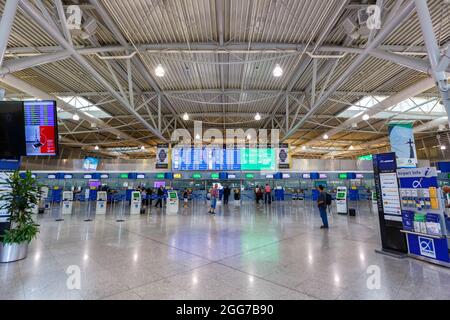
x,y
91,164
210,158
41,128
12,135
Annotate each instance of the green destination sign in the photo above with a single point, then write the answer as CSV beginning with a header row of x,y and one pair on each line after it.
x,y
342,176
160,176
249,176
365,157
196,176
214,176
123,176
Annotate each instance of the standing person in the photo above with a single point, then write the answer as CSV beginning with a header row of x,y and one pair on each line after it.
x,y
226,194
160,195
149,196
185,198
143,200
214,195
322,205
268,194
257,194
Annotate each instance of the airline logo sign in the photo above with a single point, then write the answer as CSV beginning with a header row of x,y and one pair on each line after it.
x,y
427,248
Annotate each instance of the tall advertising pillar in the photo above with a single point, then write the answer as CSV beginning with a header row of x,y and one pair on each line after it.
x,y
393,241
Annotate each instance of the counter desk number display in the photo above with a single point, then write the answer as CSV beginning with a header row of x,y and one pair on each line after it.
x,y
172,202
341,200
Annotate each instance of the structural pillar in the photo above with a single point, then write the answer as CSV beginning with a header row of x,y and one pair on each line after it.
x,y
6,25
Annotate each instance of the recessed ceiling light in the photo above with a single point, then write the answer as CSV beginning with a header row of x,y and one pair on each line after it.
x,y
197,136
325,136
257,117
96,148
277,71
142,148
303,147
249,137
351,147
365,117
75,117
185,117
443,147
159,71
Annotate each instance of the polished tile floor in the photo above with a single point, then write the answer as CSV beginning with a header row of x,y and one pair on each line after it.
x,y
244,252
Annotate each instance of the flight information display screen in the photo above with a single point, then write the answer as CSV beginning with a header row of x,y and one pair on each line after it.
x,y
41,128
207,158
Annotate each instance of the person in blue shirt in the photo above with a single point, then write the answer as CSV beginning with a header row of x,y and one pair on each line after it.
x,y
322,205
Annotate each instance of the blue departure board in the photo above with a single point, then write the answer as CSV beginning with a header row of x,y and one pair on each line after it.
x,y
207,158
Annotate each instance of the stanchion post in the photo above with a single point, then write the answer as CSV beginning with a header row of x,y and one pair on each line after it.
x,y
88,212
120,219
59,217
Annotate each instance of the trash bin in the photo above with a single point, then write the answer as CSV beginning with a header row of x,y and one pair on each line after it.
x,y
352,212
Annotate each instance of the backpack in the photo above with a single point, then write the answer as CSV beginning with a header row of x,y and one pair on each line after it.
x,y
329,199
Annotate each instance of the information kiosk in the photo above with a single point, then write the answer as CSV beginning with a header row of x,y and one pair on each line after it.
x,y
67,202
172,202
136,202
101,202
341,200
423,215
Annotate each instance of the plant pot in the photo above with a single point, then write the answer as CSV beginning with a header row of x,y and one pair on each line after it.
x,y
10,252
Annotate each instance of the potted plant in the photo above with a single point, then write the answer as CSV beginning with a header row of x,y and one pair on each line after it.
x,y
18,201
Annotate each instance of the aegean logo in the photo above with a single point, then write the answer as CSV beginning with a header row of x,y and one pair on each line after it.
x,y
427,247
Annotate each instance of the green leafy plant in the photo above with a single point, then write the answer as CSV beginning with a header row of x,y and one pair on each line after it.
x,y
19,201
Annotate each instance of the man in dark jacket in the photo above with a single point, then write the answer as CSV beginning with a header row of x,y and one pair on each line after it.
x,y
226,194
160,194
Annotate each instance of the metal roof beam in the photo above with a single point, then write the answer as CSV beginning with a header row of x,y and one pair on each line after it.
x,y
434,54
15,65
36,16
6,24
227,91
383,34
142,69
209,47
21,85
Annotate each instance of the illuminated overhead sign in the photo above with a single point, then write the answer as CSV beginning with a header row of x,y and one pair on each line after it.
x,y
365,157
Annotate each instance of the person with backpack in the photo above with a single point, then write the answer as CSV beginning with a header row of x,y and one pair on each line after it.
x,y
214,196
160,194
322,205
